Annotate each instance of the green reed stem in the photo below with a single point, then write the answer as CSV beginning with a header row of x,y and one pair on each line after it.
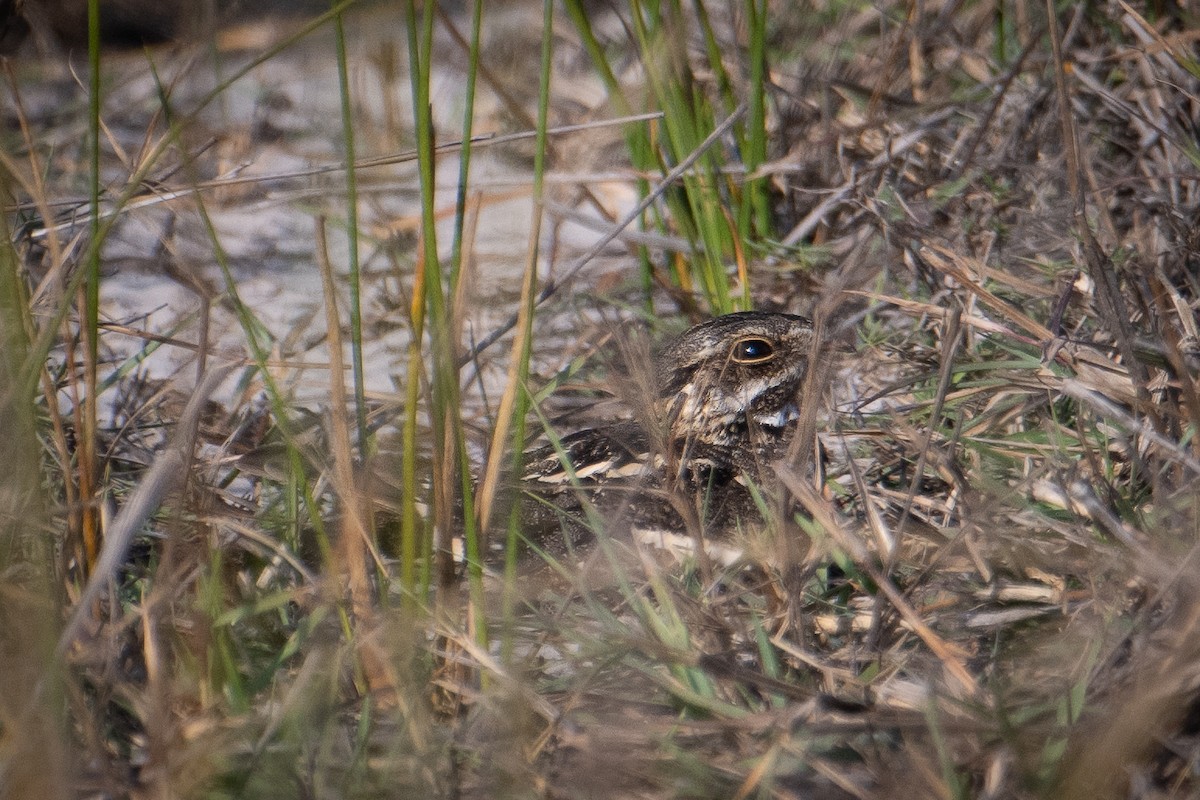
x,y
445,414
466,478
637,137
91,318
419,75
755,203
89,324
360,395
698,212
523,397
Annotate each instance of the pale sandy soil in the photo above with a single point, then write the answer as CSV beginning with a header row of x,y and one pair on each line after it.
x,y
252,150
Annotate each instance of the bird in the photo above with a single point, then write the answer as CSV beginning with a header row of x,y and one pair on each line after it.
x,y
724,405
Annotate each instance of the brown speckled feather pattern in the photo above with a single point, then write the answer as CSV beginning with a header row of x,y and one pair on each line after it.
x,y
725,408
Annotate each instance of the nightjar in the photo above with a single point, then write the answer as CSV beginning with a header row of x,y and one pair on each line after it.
x,y
725,405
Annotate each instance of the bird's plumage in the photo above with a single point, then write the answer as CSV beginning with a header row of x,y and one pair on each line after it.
x,y
725,403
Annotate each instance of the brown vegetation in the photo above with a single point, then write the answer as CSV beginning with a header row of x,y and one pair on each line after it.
x,y
978,578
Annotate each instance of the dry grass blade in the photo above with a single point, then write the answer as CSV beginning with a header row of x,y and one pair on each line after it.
x,y
950,655
168,472
1158,688
356,538
551,287
955,265
969,578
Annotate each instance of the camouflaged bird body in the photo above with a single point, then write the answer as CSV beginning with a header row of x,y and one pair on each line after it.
x,y
725,409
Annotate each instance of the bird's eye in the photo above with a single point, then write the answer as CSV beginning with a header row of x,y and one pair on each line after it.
x,y
752,350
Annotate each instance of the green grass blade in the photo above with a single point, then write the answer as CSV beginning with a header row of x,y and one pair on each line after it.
x,y
360,396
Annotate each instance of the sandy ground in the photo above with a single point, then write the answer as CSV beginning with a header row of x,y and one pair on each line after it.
x,y
254,149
